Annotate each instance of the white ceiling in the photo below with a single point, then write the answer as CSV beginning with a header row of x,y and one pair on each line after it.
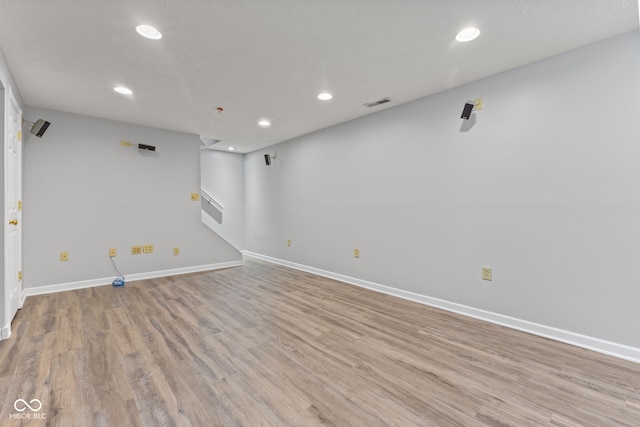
x,y
270,58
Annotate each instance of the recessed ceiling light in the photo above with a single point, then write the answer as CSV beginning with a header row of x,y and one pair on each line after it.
x,y
123,90
325,96
264,123
231,148
149,32
468,34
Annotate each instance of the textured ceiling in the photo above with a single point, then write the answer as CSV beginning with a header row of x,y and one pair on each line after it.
x,y
270,58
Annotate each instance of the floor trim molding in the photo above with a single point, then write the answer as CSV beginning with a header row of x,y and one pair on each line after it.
x,y
621,351
5,332
48,289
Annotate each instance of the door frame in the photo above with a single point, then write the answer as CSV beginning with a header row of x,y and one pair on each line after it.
x,y
9,310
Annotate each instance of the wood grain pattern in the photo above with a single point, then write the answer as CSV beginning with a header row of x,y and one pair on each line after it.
x,y
263,345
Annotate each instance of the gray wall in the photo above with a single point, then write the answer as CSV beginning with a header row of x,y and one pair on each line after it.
x,y
85,193
222,176
543,187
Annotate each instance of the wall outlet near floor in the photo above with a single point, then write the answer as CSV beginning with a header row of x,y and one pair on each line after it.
x,y
176,251
64,256
356,253
487,273
112,252
136,250
147,249
195,197
289,243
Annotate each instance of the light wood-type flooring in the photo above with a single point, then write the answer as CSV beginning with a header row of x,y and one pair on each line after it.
x,y
263,345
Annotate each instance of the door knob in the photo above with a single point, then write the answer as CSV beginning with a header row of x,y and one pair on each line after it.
x,y
13,221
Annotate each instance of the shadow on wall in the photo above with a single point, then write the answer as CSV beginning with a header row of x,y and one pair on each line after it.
x,y
468,124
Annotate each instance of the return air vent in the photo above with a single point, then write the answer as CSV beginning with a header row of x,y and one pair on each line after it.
x,y
378,102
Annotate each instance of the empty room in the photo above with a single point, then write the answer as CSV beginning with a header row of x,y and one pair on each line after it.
x,y
320,213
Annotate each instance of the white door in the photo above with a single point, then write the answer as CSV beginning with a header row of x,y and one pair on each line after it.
x,y
13,211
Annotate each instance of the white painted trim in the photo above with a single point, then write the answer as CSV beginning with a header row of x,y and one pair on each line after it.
x,y
23,296
41,290
621,351
5,332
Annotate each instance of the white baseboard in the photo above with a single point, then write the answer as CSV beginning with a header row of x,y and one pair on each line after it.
x,y
40,290
5,332
23,296
621,351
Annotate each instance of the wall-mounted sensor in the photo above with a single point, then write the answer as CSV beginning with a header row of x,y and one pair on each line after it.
x,y
466,111
269,157
39,127
146,147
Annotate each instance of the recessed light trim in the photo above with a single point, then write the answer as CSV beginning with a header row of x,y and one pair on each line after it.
x,y
149,32
325,96
468,34
264,123
123,90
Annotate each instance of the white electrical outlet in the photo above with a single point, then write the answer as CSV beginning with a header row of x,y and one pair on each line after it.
x,y
487,273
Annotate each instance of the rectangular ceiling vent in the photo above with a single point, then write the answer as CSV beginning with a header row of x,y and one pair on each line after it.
x,y
378,102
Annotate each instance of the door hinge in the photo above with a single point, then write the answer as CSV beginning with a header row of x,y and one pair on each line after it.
x,y
19,275
19,136
19,205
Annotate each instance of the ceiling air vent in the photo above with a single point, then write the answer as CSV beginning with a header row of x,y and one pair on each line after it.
x,y
378,102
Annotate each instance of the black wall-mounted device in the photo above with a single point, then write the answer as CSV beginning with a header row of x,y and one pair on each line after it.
x,y
40,127
267,159
466,111
146,147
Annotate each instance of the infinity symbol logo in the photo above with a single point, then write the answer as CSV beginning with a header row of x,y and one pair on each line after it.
x,y
26,405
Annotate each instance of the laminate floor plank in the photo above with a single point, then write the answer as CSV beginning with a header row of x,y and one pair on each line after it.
x,y
154,400
70,399
264,345
124,413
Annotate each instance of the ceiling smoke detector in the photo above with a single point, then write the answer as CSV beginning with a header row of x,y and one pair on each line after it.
x,y
376,103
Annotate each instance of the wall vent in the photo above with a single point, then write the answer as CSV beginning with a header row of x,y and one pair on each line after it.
x,y
378,102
